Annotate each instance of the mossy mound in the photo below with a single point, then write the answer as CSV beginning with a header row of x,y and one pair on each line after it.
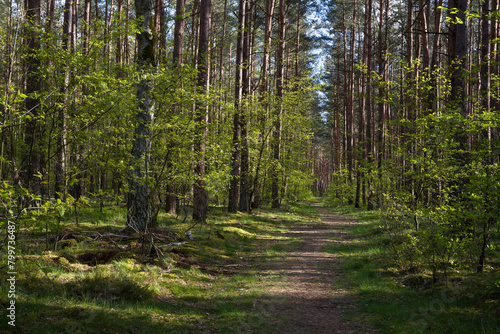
x,y
418,281
67,243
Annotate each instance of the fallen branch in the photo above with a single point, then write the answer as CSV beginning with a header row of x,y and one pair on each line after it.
x,y
174,244
117,246
110,235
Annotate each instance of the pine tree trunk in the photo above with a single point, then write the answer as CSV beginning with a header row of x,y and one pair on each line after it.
x,y
200,194
245,154
119,38
139,203
255,195
276,142
32,159
435,53
494,52
383,77
485,47
458,82
236,155
350,147
178,34
369,110
68,46
171,200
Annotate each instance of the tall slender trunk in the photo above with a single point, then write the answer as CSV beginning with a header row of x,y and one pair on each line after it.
x,y
350,147
369,110
382,67
195,32
245,154
78,189
360,154
159,24
276,142
435,54
458,82
139,202
50,15
298,42
424,21
68,41
86,26
338,141
236,155
32,157
494,51
405,129
200,194
74,22
178,34
171,197
126,48
255,195
485,102
119,38
485,48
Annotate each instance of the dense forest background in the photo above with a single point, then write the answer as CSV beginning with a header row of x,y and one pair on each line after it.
x,y
162,105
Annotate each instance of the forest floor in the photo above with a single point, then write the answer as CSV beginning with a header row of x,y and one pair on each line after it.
x,y
311,296
306,268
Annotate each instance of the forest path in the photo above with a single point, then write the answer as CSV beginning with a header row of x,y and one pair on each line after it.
x,y
310,299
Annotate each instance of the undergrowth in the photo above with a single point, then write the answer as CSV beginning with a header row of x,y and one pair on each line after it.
x,y
401,301
85,279
90,278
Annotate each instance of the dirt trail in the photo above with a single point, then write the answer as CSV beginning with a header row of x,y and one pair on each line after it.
x,y
311,301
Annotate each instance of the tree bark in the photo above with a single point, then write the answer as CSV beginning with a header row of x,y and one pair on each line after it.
x,y
459,66
383,77
435,53
485,47
171,197
494,51
350,147
255,195
32,157
159,28
245,154
178,34
236,155
119,48
369,110
68,44
280,75
139,203
200,194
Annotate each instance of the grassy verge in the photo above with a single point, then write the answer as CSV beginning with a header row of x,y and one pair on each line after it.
x,y
92,281
400,303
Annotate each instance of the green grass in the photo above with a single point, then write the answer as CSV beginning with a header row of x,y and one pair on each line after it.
x,y
399,303
210,284
216,283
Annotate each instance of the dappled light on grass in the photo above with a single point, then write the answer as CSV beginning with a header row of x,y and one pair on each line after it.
x,y
222,281
270,272
399,301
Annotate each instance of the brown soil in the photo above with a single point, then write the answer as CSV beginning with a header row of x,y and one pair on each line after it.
x,y
311,300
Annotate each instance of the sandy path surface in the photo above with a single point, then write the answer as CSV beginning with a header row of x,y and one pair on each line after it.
x,y
311,299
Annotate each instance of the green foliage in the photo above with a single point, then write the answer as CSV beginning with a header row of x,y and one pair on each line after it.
x,y
398,298
439,196
342,191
